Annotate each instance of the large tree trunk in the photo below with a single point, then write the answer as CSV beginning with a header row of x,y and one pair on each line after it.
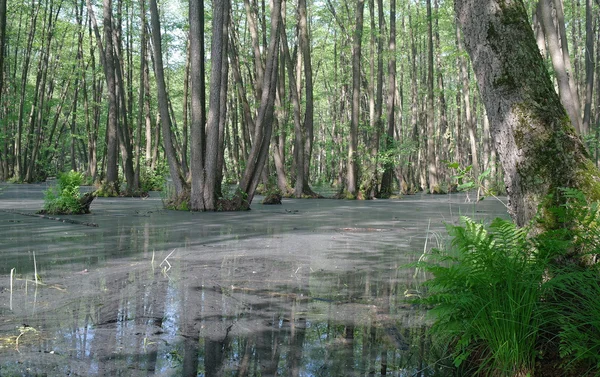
x,y
538,146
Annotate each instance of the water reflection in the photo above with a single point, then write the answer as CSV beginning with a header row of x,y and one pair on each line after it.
x,y
145,322
316,292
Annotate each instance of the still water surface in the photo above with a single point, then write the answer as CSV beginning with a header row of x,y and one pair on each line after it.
x,y
307,288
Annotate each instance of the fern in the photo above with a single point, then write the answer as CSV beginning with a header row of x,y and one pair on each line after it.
x,y
485,292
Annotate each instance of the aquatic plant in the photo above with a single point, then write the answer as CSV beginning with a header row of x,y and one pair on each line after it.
x,y
66,198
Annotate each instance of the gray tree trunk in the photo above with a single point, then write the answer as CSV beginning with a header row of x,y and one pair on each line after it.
x,y
537,144
264,121
388,175
562,66
589,66
432,175
217,83
352,173
165,118
466,94
308,124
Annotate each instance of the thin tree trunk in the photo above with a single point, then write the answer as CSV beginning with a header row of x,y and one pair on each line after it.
x,y
19,168
352,170
165,118
141,93
471,127
107,59
264,123
217,83
443,142
388,175
308,125
562,67
589,66
299,136
431,165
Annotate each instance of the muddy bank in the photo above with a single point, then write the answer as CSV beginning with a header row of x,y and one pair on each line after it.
x,y
311,287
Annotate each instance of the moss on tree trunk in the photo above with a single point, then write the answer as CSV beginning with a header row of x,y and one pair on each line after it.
x,y
539,148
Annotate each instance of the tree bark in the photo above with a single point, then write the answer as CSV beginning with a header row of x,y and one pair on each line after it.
x,y
466,98
352,170
2,43
308,125
538,146
443,140
388,175
589,67
217,83
431,165
264,122
165,118
107,60
562,66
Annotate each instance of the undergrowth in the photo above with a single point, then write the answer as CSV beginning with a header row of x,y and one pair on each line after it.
x,y
500,295
65,197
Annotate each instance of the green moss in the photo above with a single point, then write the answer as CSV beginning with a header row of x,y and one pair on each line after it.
x,y
589,180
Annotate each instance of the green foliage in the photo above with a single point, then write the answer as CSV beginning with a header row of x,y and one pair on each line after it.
x,y
486,296
64,198
499,293
153,180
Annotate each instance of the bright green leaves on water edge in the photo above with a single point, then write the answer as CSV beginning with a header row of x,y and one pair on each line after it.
x,y
507,301
65,198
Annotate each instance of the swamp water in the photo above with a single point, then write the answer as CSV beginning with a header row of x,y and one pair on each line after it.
x,y
307,288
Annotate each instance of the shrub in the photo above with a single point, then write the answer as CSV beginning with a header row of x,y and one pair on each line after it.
x,y
65,197
153,180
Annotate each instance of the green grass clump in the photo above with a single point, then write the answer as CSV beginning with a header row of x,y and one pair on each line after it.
x,y
65,197
486,297
502,297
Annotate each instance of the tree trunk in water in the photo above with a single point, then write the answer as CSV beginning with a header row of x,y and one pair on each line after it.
x,y
352,169
537,144
165,118
264,122
388,174
218,82
308,125
443,141
299,136
141,94
431,165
